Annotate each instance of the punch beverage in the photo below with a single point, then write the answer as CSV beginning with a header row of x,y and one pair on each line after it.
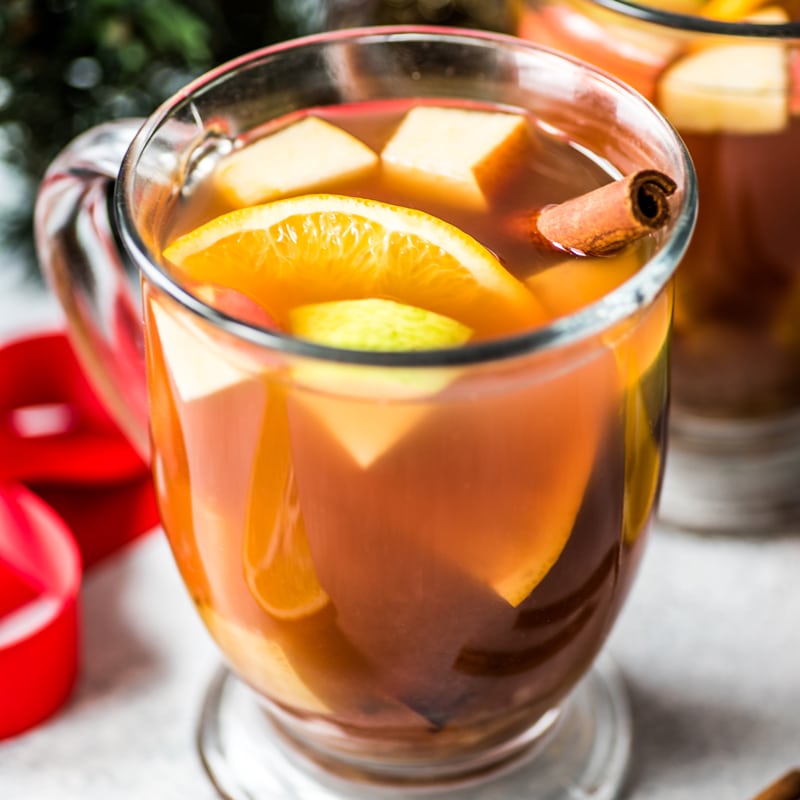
x,y
726,73
425,557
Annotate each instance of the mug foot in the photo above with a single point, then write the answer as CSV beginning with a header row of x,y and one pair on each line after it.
x,y
739,477
581,749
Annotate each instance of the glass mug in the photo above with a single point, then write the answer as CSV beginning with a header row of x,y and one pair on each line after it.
x,y
731,90
403,664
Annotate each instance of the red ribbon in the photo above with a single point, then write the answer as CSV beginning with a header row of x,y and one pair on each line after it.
x,y
40,573
69,483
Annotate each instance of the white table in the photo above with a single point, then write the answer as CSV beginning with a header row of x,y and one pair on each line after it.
x,y
709,643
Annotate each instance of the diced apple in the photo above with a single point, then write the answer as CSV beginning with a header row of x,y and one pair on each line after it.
x,y
459,155
575,283
377,406
733,88
366,431
197,365
367,408
303,157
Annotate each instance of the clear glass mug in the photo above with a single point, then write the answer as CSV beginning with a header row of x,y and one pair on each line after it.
x,y
405,665
732,89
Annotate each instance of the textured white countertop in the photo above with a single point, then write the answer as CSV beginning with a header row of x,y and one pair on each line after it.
x,y
709,644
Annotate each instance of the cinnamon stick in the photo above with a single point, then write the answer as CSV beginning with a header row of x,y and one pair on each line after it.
x,y
785,788
603,220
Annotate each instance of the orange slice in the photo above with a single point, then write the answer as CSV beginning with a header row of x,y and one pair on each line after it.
x,y
317,248
641,341
730,10
636,343
262,662
642,468
278,566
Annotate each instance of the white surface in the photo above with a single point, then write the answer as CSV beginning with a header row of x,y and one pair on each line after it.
x,y
128,730
709,642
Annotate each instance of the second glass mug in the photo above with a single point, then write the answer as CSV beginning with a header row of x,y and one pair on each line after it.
x,y
732,89
411,671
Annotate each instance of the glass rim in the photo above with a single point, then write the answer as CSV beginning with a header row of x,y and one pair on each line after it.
x,y
636,293
698,24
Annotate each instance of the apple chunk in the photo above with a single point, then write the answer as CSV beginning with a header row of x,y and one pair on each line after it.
x,y
456,155
302,157
379,405
198,365
732,88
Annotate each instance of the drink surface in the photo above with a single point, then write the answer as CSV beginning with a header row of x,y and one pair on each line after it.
x,y
736,103
425,557
547,170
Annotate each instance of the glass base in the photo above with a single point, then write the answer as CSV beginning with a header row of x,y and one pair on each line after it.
x,y
729,477
582,751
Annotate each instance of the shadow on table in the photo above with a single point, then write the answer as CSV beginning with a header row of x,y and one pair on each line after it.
x,y
134,618
676,736
117,653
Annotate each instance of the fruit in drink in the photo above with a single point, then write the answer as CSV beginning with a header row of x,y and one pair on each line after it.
x,y
729,10
302,156
376,324
735,88
625,48
315,248
419,548
734,101
429,153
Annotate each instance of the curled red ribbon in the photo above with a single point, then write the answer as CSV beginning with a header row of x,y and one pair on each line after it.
x,y
40,572
72,490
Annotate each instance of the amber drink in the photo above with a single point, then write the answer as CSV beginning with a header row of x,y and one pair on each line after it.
x,y
406,326
429,561
727,74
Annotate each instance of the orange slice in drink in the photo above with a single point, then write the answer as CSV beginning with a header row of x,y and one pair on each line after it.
x,y
317,248
646,396
636,344
262,662
730,10
642,468
277,560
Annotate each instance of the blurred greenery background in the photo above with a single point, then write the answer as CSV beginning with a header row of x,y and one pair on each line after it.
x,y
68,64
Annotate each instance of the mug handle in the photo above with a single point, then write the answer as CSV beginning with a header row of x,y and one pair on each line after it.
x,y
86,269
